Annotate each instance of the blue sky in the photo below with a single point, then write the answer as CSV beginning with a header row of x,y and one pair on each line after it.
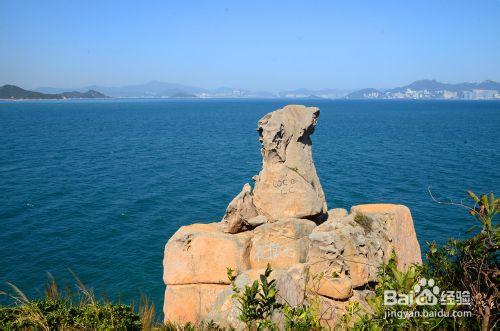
x,y
260,45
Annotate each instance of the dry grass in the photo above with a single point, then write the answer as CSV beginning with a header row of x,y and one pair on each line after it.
x,y
365,222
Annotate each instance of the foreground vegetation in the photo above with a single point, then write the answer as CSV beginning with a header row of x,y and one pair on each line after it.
x,y
470,265
66,309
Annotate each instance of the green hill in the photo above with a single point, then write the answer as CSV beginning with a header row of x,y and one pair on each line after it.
x,y
12,92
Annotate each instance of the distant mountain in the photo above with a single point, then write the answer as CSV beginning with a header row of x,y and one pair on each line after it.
x,y
432,89
90,94
157,89
152,89
15,93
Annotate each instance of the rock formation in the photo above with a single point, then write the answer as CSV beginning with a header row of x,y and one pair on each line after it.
x,y
284,222
288,185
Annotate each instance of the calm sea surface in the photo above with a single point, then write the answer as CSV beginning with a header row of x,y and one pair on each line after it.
x,y
98,187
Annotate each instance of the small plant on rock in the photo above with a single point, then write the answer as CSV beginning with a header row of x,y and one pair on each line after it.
x,y
258,301
365,222
300,318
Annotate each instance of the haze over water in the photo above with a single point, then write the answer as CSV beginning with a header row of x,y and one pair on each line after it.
x,y
99,186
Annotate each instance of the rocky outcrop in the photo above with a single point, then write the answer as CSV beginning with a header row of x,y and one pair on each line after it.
x,y
331,255
288,186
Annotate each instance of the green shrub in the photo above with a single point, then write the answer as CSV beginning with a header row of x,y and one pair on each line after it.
x,y
301,317
388,317
258,303
472,264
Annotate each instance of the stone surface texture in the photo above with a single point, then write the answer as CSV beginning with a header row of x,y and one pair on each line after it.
x,y
314,252
240,211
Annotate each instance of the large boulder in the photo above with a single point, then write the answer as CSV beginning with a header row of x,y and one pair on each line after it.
x,y
346,255
355,246
288,186
200,253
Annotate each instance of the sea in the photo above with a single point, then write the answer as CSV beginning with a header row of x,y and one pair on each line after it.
x,y
97,187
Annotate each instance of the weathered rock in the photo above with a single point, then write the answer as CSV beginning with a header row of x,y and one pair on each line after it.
x,y
333,287
342,247
200,253
190,303
225,310
239,211
400,232
357,245
281,243
288,186
257,220
337,213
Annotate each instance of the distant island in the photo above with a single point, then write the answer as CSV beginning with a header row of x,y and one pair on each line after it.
x,y
12,92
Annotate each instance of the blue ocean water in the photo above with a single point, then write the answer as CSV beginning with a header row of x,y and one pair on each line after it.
x,y
98,187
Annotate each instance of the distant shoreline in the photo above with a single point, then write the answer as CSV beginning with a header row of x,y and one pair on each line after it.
x,y
245,99
425,89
